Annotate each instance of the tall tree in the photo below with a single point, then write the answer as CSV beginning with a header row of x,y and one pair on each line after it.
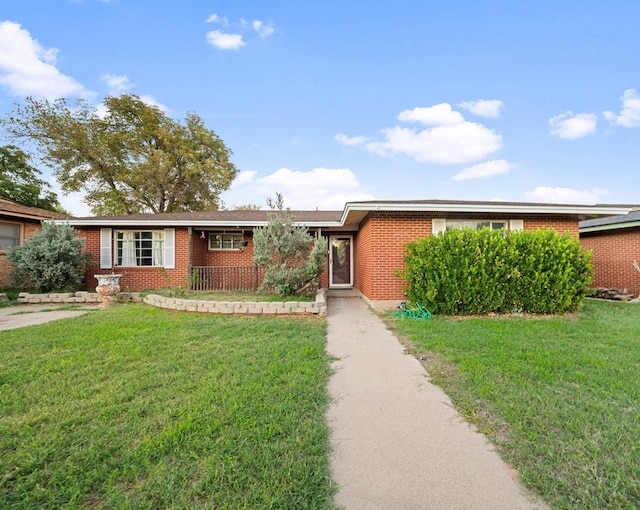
x,y
127,156
20,182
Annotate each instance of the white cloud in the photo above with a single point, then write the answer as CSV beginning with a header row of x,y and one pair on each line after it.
x,y
483,107
450,144
262,29
224,41
214,18
551,195
28,69
116,83
322,188
630,114
350,141
437,115
572,126
484,170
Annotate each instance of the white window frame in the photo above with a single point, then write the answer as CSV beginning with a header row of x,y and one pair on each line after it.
x,y
476,224
18,239
137,248
225,241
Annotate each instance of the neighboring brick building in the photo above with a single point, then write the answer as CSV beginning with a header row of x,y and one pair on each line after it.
x,y
367,241
615,243
18,222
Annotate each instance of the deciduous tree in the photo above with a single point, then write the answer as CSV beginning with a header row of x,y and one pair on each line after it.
x,y
20,182
126,156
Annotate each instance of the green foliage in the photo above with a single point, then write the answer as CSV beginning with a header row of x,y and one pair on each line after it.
x,y
19,181
141,408
472,272
53,259
292,259
127,157
558,396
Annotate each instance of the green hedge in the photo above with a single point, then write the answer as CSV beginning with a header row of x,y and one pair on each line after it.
x,y
463,272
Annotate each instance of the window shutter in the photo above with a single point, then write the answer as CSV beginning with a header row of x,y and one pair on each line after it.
x,y
169,248
105,248
438,225
516,225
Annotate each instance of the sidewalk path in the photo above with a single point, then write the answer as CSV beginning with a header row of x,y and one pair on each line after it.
x,y
18,316
397,441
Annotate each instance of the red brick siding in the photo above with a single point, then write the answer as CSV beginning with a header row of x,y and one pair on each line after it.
x,y
613,255
383,236
139,278
26,232
380,249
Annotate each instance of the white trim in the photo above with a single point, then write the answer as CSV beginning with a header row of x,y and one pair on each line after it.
x,y
169,261
438,225
487,207
610,226
247,225
516,225
106,244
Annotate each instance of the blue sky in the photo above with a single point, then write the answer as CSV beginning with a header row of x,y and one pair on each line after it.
x,y
331,101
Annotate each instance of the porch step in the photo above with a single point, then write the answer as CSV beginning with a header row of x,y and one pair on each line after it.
x,y
343,293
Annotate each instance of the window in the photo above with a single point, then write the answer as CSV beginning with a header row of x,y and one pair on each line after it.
x,y
476,224
139,248
226,241
9,235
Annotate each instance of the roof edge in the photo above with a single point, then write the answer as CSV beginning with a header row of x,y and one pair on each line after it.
x,y
487,207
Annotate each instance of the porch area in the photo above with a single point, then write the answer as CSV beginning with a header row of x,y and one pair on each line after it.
x,y
231,278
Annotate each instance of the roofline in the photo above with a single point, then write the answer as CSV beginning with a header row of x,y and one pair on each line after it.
x,y
485,207
110,222
444,207
610,226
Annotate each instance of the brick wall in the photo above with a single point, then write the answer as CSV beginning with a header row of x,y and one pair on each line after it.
x,y
383,236
380,249
139,278
613,254
27,231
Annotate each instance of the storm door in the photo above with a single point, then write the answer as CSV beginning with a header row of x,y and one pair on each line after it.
x,y
341,261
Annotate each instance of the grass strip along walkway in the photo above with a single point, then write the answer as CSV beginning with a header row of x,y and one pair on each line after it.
x,y
145,408
559,396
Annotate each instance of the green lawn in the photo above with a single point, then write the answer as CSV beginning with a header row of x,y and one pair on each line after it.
x,y
137,407
559,396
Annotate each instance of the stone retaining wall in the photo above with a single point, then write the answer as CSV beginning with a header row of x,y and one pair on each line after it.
x,y
73,297
317,307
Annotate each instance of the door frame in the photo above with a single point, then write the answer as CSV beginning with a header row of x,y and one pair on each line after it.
x,y
333,285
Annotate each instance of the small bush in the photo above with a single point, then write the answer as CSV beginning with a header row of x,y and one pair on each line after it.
x,y
464,272
52,259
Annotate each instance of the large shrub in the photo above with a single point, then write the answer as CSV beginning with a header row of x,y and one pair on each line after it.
x,y
473,272
53,259
292,259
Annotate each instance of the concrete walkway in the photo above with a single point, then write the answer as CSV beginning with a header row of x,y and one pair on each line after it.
x,y
397,441
19,316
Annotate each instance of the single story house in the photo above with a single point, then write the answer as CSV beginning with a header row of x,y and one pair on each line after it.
x,y
615,243
214,250
18,222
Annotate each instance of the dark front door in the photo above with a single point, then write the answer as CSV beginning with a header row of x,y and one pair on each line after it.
x,y
341,261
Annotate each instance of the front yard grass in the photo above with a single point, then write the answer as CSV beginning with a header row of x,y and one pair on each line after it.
x,y
559,396
137,407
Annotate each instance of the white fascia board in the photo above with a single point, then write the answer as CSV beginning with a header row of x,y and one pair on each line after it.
x,y
610,226
488,208
107,222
